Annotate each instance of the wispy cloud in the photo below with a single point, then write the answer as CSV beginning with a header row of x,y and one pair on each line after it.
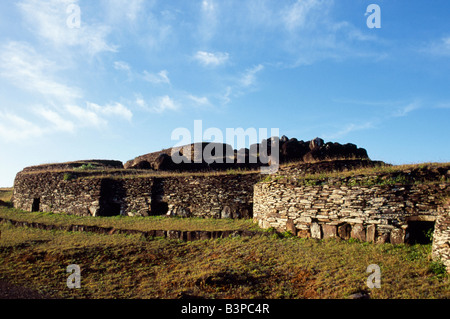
x,y
15,128
157,105
25,68
120,10
122,66
209,20
387,110
211,59
156,78
48,20
404,110
249,76
85,117
58,123
440,47
303,13
115,109
349,128
199,101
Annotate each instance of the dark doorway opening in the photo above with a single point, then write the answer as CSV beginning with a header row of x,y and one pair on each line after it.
x,y
112,196
158,206
111,209
36,206
420,232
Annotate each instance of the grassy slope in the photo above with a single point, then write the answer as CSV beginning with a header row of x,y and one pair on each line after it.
x,y
5,194
119,266
132,223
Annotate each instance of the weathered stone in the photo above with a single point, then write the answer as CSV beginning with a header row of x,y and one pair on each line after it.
x,y
316,143
441,237
397,236
371,233
303,233
329,231
382,238
316,231
358,232
226,212
291,227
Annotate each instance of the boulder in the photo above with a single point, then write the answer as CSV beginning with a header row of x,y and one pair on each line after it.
x,y
358,232
226,212
293,150
316,143
303,233
329,231
316,232
163,163
142,165
334,151
371,233
291,227
382,238
397,236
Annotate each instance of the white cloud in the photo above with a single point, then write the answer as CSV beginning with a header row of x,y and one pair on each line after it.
x,y
405,110
164,103
209,22
303,13
26,69
15,128
59,124
158,105
115,109
249,77
200,101
48,19
211,59
85,117
122,66
160,77
349,128
118,10
439,47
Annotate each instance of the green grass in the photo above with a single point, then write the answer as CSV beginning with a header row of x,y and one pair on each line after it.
x,y
131,223
6,194
126,266
366,176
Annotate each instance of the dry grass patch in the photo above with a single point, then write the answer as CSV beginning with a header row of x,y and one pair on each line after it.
x,y
274,267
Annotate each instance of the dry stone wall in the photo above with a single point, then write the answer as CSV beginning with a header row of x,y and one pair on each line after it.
x,y
211,196
377,213
441,236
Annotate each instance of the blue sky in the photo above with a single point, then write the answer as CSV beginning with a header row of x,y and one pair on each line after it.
x,y
118,84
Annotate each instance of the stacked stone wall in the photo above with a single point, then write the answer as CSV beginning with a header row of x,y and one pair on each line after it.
x,y
210,196
441,236
377,213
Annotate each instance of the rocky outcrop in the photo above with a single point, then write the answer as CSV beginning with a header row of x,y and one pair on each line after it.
x,y
217,156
